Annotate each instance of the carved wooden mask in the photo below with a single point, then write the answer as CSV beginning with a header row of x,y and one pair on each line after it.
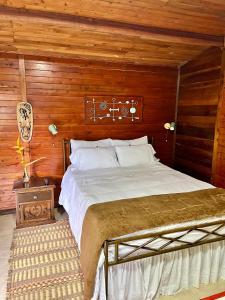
x,y
25,120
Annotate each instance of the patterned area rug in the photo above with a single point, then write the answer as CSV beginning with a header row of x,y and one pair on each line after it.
x,y
220,296
44,264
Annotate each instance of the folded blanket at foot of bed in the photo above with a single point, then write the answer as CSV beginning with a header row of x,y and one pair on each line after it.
x,y
116,218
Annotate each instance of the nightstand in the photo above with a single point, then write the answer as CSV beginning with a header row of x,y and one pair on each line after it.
x,y
34,202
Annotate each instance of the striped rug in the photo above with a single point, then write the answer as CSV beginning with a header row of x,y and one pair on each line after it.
x,y
220,296
44,264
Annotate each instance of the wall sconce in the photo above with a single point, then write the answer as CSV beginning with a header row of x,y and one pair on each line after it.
x,y
53,129
169,126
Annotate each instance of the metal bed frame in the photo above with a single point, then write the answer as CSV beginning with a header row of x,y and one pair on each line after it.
x,y
170,244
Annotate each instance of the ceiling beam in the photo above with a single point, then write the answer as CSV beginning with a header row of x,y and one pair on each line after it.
x,y
194,16
146,32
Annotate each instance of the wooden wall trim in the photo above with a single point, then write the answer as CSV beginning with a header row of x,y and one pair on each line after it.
x,y
176,112
90,64
23,89
218,120
8,211
22,72
99,64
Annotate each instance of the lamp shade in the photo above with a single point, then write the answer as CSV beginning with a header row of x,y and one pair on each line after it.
x,y
167,125
53,129
170,126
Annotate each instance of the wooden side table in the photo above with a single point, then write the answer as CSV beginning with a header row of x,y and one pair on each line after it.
x,y
34,202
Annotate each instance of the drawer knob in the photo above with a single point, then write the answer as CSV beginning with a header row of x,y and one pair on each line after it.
x,y
35,197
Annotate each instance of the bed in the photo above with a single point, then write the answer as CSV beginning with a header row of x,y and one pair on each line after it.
x,y
145,264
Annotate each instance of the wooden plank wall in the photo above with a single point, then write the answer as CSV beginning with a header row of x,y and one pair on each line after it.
x,y
10,94
56,89
197,111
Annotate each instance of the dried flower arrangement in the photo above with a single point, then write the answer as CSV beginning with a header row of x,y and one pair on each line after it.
x,y
20,149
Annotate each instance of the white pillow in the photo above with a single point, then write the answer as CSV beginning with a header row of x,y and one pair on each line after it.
x,y
135,155
94,158
140,141
76,144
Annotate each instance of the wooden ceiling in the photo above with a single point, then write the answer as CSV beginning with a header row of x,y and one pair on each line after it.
x,y
162,32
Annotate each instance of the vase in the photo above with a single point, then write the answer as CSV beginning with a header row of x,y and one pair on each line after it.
x,y
26,176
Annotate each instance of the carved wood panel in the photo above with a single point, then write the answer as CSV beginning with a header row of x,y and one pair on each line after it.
x,y
40,210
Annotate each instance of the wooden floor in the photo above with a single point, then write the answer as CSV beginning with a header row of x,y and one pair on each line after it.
x,y
7,224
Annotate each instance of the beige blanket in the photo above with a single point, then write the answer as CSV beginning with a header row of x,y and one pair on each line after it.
x,y
112,219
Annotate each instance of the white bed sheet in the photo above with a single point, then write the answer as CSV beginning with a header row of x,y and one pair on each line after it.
x,y
80,189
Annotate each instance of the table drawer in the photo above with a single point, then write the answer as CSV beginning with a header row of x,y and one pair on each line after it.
x,y
34,196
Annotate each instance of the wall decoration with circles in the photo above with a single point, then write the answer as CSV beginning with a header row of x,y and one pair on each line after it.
x,y
113,109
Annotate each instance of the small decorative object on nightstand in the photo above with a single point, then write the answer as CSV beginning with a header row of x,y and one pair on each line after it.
x,y
20,149
34,202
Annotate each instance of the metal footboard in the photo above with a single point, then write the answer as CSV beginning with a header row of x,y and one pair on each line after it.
x,y
141,249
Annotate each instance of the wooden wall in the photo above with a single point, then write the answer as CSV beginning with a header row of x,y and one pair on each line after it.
x,y
10,95
56,89
197,112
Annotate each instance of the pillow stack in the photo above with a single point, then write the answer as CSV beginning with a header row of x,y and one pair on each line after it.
x,y
109,153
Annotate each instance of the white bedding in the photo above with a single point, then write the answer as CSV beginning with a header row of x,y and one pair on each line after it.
x,y
80,189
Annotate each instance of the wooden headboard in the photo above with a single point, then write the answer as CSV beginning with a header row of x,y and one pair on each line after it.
x,y
67,152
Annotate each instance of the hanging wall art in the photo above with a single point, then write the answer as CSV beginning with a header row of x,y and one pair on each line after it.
x,y
25,120
113,110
